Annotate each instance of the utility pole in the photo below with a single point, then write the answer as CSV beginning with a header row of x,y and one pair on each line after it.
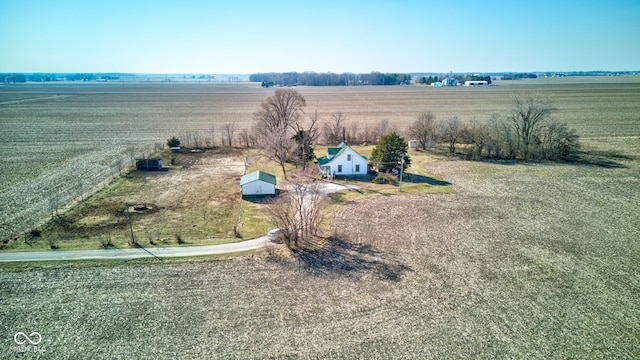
x,y
133,240
401,173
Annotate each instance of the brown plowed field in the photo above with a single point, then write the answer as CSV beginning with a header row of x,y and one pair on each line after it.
x,y
523,261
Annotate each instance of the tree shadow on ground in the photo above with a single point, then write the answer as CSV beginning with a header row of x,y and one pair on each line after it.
x,y
406,178
421,179
340,258
603,159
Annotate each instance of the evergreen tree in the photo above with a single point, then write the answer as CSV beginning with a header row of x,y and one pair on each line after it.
x,y
173,141
387,154
303,152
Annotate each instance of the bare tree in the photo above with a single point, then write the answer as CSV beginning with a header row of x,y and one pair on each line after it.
x,y
558,141
353,133
187,138
367,135
334,130
212,133
501,141
278,147
280,111
229,130
196,140
448,131
297,213
276,119
476,133
527,117
247,137
383,128
282,213
423,129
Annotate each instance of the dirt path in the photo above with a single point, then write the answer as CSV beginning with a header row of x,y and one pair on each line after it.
x,y
126,254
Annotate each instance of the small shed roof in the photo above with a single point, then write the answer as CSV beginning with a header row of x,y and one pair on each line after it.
x,y
258,175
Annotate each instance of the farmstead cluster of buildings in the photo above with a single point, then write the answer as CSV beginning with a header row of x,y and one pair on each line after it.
x,y
340,160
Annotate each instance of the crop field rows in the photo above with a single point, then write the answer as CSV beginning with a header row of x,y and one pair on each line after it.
x,y
523,260
56,132
62,147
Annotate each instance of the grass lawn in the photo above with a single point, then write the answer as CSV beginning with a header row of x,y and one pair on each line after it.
x,y
197,200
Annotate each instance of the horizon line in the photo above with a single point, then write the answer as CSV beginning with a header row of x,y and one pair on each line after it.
x,y
318,72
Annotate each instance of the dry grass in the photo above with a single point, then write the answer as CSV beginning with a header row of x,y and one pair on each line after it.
x,y
524,260
196,202
60,138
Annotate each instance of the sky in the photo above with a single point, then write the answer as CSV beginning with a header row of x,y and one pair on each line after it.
x,y
247,36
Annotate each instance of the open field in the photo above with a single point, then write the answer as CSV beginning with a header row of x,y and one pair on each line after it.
x,y
195,199
60,142
64,146
523,260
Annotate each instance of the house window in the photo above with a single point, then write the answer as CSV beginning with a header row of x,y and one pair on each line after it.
x,y
357,168
339,168
348,157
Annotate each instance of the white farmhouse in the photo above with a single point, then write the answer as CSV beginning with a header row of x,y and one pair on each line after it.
x,y
258,183
343,160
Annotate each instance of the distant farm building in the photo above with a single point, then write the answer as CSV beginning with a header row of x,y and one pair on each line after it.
x,y
152,164
343,160
449,82
476,83
414,144
258,183
176,149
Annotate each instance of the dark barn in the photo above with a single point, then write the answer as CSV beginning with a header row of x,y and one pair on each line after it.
x,y
153,164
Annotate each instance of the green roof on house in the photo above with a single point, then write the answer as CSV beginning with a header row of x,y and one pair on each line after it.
x,y
334,152
258,175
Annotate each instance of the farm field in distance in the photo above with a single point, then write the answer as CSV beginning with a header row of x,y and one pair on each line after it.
x,y
523,260
60,142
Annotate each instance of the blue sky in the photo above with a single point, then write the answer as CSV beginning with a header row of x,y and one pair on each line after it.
x,y
187,36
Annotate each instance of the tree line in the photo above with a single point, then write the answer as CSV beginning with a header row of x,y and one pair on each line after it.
x,y
519,76
329,79
527,131
13,78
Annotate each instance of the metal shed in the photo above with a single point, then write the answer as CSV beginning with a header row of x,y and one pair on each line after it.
x,y
258,183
